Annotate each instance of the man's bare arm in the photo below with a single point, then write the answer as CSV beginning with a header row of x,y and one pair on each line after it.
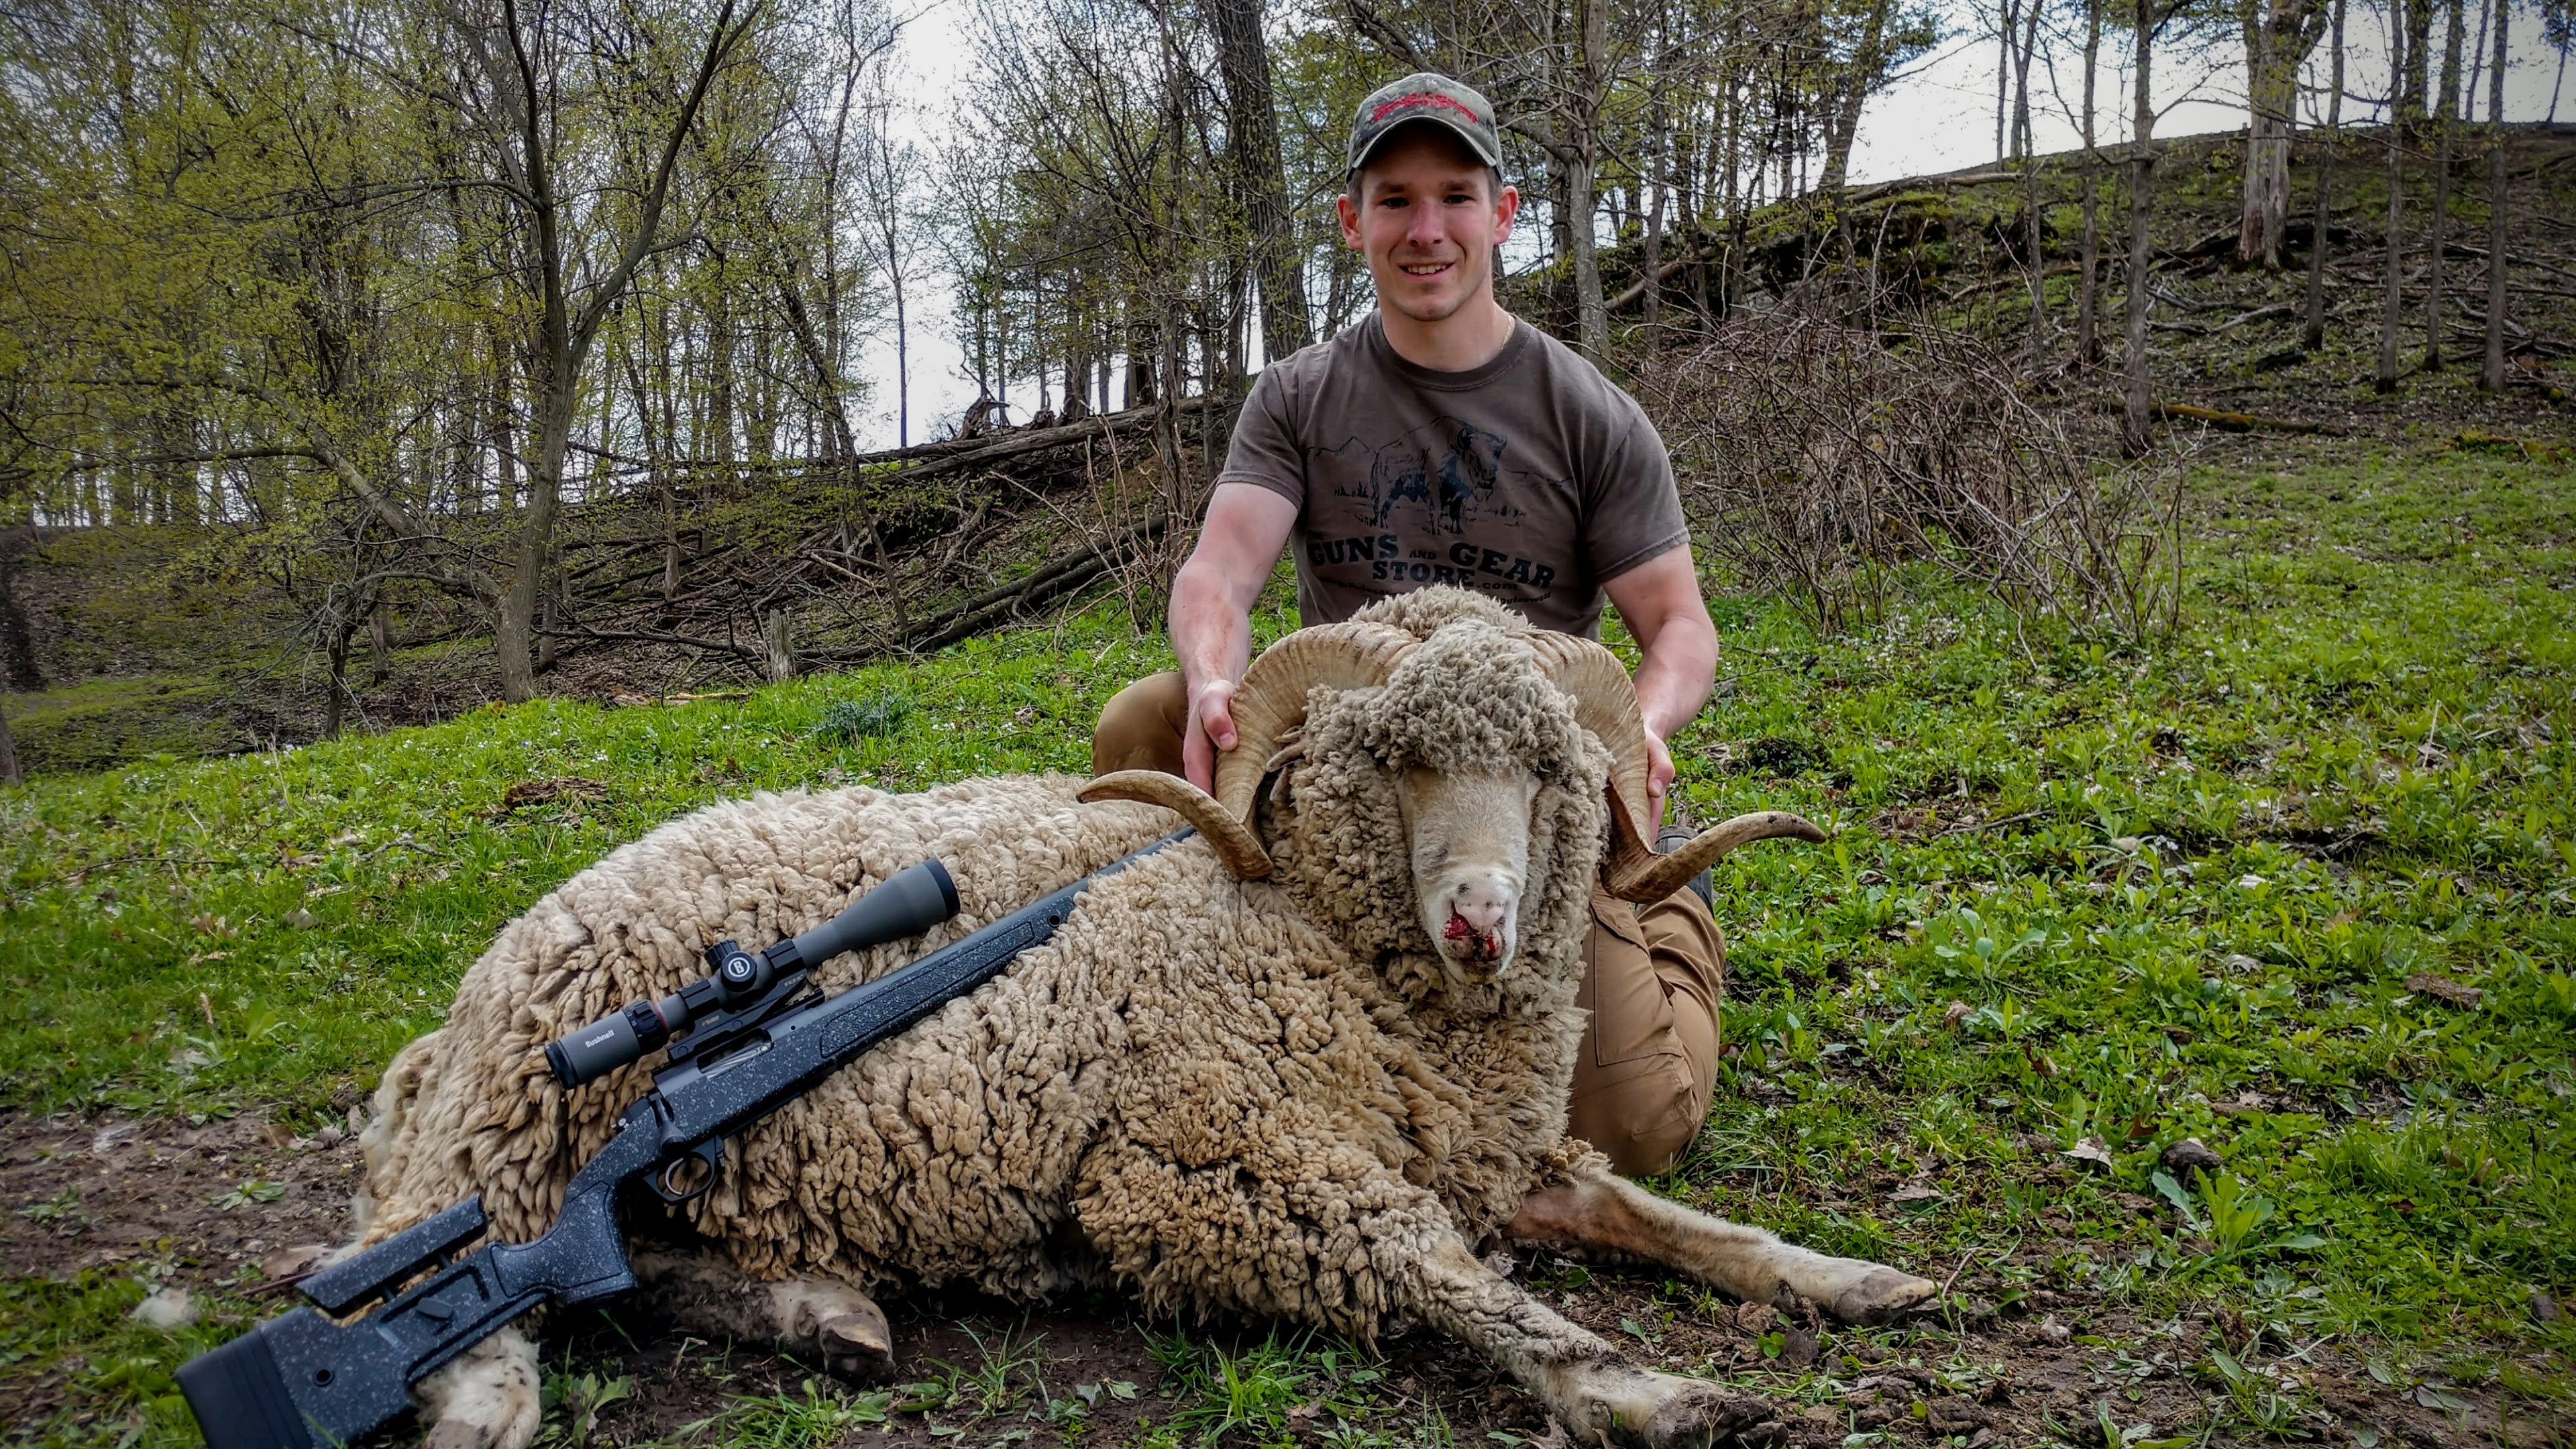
x,y
1660,601
1212,596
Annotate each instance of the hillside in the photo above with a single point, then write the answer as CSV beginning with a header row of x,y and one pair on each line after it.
x,y
184,642
2292,886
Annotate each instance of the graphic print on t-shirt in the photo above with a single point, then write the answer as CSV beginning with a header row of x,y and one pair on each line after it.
x,y
1451,468
1437,504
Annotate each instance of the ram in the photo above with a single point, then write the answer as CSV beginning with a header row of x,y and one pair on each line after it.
x,y
1299,1064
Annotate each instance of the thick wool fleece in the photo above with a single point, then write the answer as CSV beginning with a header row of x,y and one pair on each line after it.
x,y
1264,1096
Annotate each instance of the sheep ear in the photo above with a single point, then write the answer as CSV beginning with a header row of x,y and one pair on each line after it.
x,y
1653,877
1235,845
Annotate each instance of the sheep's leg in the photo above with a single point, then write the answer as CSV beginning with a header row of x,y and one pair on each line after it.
x,y
817,1318
484,1398
1591,1207
1583,1381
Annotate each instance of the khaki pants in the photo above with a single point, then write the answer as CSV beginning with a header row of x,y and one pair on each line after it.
x,y
1652,974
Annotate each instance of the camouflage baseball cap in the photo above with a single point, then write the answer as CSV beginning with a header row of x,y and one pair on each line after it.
x,y
1423,96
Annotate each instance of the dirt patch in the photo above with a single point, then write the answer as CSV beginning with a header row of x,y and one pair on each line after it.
x,y
92,1192
2006,1365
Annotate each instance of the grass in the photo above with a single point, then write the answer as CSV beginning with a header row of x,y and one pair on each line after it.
x,y
2078,898
104,721
2219,881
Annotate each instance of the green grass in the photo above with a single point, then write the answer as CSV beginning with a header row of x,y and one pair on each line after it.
x,y
2171,894
2225,863
102,722
323,901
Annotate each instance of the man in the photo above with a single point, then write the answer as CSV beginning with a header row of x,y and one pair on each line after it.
x,y
1445,441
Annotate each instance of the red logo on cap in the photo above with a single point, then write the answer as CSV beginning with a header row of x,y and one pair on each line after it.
x,y
1420,99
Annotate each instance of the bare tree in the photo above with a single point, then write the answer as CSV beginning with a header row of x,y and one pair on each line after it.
x,y
891,165
2447,119
1866,74
2088,345
2314,334
2499,208
2394,306
2278,36
2137,387
1261,184
578,254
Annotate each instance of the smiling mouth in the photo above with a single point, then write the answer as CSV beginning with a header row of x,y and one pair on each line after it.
x,y
1424,269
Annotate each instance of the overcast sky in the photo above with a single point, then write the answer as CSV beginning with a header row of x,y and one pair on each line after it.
x,y
1938,116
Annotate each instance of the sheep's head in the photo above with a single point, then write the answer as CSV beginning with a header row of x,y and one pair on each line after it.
x,y
1438,750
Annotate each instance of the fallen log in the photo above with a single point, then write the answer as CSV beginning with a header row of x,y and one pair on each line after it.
x,y
2532,448
579,634
1663,274
2227,422
1039,439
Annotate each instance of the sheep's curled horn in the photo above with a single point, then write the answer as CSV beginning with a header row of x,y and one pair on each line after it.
x,y
1272,701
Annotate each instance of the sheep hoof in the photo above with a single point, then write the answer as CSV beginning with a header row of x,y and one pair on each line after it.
x,y
857,1347
1696,1414
487,1398
1881,1294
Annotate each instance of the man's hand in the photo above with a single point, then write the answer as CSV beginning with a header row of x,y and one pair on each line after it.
x,y
1212,599
1659,772
1211,729
1659,599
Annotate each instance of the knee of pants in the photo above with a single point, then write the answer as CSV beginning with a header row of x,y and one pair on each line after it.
x,y
1140,728
1653,1152
1643,1121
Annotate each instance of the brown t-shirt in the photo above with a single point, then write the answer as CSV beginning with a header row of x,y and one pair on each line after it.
x,y
1532,478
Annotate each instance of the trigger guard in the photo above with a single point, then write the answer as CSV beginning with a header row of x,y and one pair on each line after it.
x,y
710,1152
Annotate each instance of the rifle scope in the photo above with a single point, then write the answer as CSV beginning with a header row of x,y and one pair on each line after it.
x,y
906,903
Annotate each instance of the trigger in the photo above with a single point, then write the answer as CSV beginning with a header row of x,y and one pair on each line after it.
x,y
688,1178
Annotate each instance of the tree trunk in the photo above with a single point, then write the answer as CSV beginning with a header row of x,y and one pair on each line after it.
x,y
10,774
2414,56
380,638
2274,32
2010,19
336,650
2477,62
503,435
778,645
516,624
1866,64
2314,334
17,642
2136,386
2386,381
2088,342
902,359
549,616
2499,210
2031,250
1252,144
1592,315
1654,298
2448,119
2023,145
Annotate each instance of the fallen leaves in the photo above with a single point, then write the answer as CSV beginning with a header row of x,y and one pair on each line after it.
x,y
2092,1152
546,792
2457,993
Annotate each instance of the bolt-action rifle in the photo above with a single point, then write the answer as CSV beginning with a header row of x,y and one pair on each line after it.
x,y
749,1038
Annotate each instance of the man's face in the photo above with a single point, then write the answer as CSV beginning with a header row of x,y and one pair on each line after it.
x,y
1428,221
